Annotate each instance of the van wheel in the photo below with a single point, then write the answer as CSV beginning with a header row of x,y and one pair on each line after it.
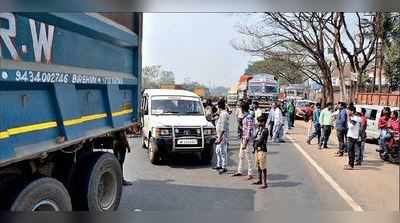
x,y
99,183
154,155
42,194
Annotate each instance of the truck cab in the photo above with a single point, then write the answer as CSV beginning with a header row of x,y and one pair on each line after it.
x,y
173,121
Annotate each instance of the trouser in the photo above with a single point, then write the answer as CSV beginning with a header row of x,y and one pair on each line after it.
x,y
271,129
326,132
278,132
309,127
353,145
360,152
290,120
341,134
120,154
221,150
316,133
246,153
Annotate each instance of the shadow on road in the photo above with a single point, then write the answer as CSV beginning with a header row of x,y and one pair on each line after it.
x,y
164,195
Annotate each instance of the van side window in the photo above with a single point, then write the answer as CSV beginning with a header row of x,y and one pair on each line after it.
x,y
372,115
145,106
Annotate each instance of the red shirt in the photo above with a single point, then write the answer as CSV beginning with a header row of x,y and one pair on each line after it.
x,y
394,124
308,112
383,122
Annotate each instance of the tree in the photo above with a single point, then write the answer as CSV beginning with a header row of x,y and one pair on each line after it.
x,y
298,37
153,76
392,50
283,69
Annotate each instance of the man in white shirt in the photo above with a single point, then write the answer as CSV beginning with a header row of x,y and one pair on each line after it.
x,y
278,124
270,120
257,112
353,136
222,129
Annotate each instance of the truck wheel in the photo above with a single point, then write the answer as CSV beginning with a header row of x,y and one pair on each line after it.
x,y
99,183
154,155
42,194
207,155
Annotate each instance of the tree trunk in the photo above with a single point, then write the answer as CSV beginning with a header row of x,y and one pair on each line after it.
x,y
342,85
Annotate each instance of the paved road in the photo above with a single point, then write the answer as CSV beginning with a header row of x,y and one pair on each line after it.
x,y
184,184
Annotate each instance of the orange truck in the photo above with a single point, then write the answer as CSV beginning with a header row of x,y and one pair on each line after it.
x,y
383,99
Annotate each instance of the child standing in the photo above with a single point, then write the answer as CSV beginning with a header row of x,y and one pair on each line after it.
x,y
260,148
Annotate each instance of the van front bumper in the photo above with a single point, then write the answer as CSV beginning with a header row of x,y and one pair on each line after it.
x,y
166,145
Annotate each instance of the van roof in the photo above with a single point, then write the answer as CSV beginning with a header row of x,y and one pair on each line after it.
x,y
377,107
169,92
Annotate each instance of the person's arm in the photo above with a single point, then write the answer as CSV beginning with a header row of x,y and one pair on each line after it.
x,y
321,117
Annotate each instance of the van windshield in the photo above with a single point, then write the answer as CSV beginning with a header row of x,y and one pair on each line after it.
x,y
176,107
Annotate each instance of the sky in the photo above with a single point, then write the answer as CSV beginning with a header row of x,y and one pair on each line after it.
x,y
196,46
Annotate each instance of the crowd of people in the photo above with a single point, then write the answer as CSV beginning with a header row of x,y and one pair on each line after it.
x,y
350,126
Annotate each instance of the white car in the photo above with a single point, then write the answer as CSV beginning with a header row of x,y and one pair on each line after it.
x,y
173,121
373,114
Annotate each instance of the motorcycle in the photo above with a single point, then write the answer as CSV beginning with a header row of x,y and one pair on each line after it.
x,y
393,154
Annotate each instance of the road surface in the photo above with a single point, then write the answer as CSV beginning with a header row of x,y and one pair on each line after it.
x,y
294,182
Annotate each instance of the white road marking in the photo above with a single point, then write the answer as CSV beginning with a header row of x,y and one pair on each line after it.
x,y
328,178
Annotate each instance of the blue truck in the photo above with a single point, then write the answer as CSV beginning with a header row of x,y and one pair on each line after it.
x,y
69,92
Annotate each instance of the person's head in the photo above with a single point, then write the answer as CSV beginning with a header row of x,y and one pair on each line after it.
x,y
342,105
244,107
318,105
221,104
363,111
274,105
255,104
329,105
395,115
352,110
261,121
386,112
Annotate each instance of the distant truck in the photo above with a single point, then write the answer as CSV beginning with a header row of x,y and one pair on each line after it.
x,y
294,92
232,97
263,88
69,91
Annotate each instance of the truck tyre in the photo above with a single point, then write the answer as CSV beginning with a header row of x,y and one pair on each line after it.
x,y
207,155
154,154
42,194
98,183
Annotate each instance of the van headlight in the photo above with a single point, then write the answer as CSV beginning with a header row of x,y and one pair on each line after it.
x,y
209,131
163,132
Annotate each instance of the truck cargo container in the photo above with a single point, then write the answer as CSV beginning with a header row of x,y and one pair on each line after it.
x,y
69,89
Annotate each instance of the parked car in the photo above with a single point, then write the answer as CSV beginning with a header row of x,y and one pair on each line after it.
x,y
174,122
373,113
301,106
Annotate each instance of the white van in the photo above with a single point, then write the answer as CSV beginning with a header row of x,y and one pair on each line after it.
x,y
173,121
373,114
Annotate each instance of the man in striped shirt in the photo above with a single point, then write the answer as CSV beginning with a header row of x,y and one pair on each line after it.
x,y
248,132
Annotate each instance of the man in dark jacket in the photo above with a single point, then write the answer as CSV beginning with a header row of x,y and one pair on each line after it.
x,y
260,148
341,127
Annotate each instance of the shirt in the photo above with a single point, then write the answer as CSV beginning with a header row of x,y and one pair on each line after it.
x,y
383,122
278,118
326,117
222,125
260,142
341,120
271,116
363,127
394,124
257,114
354,127
290,108
248,127
316,114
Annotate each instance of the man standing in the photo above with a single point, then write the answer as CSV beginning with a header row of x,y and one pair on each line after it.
x,y
325,119
353,134
290,114
362,138
317,125
270,120
278,124
246,143
260,148
341,127
257,111
222,128
121,146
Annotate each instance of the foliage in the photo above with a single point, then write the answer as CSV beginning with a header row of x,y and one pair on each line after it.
x,y
392,50
153,76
